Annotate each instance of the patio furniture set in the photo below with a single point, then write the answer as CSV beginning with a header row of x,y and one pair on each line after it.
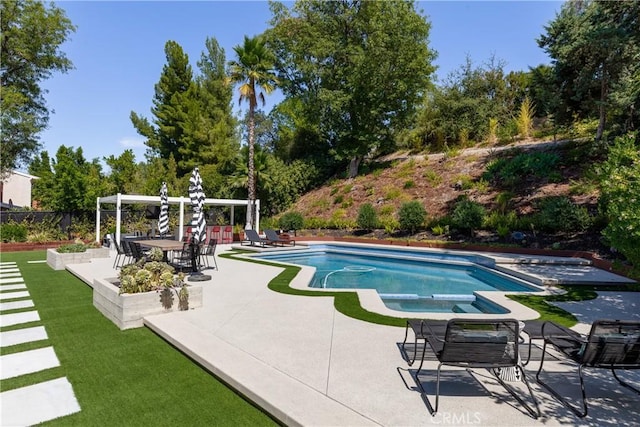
x,y
181,254
494,344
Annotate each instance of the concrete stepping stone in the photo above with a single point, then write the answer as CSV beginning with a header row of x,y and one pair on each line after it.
x,y
19,318
9,274
10,270
27,362
38,403
7,263
12,287
14,305
21,336
13,295
4,280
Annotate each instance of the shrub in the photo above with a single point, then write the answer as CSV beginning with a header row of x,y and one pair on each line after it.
x,y
392,193
291,221
511,171
468,215
561,214
389,223
314,222
525,117
72,248
433,177
338,199
411,215
408,184
620,201
13,232
367,217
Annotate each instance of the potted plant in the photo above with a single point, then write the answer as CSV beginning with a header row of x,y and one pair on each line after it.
x,y
75,253
147,287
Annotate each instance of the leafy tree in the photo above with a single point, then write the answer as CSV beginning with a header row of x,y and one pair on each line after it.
x,y
471,98
252,70
30,38
69,183
593,44
122,178
358,69
620,187
411,215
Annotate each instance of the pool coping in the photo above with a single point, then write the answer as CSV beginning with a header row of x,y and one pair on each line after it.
x,y
370,299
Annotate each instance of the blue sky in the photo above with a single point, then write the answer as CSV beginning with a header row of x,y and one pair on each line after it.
x,y
118,55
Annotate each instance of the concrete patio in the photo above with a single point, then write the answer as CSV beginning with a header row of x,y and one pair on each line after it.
x,y
307,364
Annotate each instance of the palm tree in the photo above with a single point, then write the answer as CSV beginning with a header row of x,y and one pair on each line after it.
x,y
252,70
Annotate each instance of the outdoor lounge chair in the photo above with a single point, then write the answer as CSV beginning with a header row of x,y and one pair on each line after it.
x,y
252,238
475,343
274,239
611,344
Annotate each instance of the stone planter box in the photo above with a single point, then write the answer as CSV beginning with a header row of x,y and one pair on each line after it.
x,y
59,261
128,310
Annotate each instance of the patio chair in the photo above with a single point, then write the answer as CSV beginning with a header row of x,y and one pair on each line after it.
x,y
252,238
182,259
209,251
475,343
121,255
274,239
611,344
128,252
420,332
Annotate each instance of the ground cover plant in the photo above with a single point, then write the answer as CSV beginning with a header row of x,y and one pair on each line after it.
x,y
130,377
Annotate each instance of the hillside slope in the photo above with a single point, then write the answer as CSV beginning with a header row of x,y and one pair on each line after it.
x,y
513,178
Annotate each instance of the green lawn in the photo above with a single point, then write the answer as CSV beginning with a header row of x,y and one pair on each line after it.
x,y
119,377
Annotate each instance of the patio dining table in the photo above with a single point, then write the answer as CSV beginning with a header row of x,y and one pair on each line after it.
x,y
165,245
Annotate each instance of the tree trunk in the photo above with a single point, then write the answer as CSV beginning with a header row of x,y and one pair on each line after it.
x,y
252,176
354,164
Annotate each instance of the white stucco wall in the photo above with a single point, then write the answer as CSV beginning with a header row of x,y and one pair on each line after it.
x,y
17,188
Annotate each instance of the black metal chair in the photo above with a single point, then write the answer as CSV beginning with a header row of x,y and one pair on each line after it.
x,y
420,332
128,252
120,255
209,251
475,343
611,344
182,259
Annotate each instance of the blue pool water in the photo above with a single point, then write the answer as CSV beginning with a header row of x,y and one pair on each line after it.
x,y
406,280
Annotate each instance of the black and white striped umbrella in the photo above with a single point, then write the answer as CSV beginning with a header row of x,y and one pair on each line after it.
x,y
198,224
163,219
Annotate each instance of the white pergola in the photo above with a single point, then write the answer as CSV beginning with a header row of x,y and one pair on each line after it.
x,y
120,199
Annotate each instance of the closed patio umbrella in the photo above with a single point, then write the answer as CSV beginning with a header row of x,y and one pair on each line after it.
x,y
198,224
196,194
163,220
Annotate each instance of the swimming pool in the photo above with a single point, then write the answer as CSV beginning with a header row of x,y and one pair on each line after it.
x,y
407,280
